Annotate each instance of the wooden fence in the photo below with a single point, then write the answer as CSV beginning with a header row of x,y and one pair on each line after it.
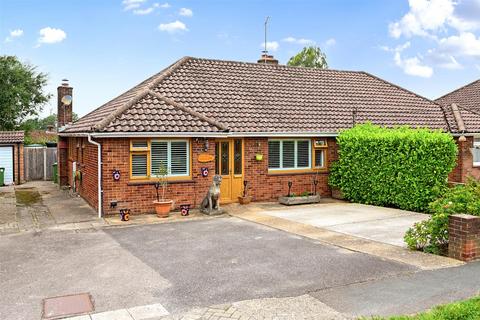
x,y
38,162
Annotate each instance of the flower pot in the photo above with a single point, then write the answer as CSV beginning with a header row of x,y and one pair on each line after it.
x,y
163,207
259,157
245,200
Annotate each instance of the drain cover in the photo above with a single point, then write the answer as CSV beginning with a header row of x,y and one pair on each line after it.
x,y
59,307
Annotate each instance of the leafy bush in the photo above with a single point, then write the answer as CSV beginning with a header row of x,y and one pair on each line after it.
x,y
432,235
401,167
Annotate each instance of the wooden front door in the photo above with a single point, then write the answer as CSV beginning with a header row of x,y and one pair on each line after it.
x,y
229,164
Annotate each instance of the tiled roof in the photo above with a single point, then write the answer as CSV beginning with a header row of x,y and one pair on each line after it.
x,y
252,97
467,98
11,136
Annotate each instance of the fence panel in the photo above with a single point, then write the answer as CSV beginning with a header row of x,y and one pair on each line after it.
x,y
38,163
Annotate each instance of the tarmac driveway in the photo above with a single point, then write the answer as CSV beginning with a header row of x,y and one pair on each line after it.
x,y
179,265
380,224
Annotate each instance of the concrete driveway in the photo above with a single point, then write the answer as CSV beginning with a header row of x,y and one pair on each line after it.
x,y
380,224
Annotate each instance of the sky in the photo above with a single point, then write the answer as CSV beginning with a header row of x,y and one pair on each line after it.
x,y
104,47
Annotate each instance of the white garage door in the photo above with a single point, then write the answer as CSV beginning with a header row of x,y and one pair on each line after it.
x,y
6,161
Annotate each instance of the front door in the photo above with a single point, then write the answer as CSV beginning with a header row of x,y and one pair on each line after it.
x,y
229,164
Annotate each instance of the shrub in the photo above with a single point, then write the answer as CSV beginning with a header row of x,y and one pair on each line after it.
x,y
432,235
401,167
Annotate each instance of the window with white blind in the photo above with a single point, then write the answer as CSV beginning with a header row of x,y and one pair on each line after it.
x,y
173,155
148,156
476,152
289,154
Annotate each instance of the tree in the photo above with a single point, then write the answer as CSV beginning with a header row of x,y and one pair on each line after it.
x,y
22,92
310,57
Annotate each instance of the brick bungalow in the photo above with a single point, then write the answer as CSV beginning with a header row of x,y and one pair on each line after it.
x,y
11,156
264,123
463,107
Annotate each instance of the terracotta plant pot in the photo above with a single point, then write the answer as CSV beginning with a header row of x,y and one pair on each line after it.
x,y
163,207
245,200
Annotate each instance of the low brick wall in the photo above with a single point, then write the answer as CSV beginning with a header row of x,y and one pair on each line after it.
x,y
464,237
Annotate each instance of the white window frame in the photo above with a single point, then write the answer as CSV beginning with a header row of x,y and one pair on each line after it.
x,y
281,168
476,145
169,157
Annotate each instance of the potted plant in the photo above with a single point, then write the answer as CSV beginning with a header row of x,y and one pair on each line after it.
x,y
245,198
162,205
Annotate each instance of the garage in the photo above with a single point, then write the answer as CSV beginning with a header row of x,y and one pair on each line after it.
x,y
11,156
6,161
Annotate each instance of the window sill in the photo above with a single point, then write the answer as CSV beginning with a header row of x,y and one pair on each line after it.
x,y
296,172
152,182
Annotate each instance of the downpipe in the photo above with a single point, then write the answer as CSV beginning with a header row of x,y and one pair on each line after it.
x,y
99,171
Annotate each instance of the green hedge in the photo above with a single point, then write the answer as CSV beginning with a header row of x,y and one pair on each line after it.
x,y
401,167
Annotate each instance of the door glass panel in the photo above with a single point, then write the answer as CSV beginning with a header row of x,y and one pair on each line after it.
x,y
225,158
237,156
217,158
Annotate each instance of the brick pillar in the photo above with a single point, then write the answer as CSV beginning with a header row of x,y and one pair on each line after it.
x,y
464,237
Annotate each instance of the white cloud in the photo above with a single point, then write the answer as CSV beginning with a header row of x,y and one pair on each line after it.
x,y
330,42
142,12
173,27
464,44
51,35
424,17
301,41
443,60
14,34
271,45
132,4
165,5
185,12
413,66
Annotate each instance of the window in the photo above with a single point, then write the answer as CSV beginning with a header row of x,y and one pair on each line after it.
x,y
476,152
147,157
289,154
320,149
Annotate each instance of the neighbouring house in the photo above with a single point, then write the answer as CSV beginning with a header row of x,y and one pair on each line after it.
x,y
263,123
11,156
463,107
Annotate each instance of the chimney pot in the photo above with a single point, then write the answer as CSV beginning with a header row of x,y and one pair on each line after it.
x,y
267,59
65,83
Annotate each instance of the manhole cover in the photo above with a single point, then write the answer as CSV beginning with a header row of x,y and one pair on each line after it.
x,y
75,304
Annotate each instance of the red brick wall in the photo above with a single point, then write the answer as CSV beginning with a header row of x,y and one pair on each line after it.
x,y
265,186
464,237
464,167
85,154
138,196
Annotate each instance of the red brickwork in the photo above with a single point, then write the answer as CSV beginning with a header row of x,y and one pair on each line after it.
x,y
138,196
266,186
85,155
464,167
18,161
464,237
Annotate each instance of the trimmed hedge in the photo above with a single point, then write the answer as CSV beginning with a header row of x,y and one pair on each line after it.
x,y
401,167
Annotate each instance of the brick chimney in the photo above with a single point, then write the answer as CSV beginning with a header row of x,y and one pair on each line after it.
x,y
64,104
267,59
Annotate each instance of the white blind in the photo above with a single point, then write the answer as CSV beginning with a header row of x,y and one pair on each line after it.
x,y
159,156
173,154
289,154
179,158
139,165
274,154
303,154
